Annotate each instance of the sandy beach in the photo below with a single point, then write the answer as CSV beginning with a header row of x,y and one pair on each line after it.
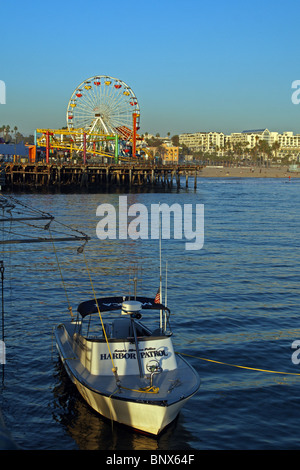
x,y
249,172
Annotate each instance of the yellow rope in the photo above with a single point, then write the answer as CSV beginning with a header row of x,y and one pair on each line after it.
x,y
62,279
148,389
114,369
241,367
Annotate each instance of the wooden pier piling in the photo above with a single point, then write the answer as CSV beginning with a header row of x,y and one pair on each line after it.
x,y
35,177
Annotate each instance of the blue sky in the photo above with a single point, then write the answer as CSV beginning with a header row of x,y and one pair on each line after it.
x,y
193,65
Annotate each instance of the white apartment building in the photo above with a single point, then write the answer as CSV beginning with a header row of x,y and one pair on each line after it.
x,y
203,140
251,137
208,141
288,139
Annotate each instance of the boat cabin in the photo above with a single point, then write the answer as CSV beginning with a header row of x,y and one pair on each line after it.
x,y
130,343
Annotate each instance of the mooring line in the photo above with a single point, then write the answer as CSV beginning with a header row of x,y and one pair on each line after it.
x,y
235,365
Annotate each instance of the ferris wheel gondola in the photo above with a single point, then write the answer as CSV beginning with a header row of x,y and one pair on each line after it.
x,y
104,105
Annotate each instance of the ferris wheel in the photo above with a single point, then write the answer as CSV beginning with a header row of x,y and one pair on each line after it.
x,y
104,105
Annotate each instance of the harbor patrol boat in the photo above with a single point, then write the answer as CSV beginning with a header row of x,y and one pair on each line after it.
x,y
126,371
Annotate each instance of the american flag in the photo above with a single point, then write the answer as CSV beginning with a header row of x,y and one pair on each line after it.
x,y
157,297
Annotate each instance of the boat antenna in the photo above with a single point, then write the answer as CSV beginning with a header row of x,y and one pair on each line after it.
x,y
166,293
134,278
160,278
135,283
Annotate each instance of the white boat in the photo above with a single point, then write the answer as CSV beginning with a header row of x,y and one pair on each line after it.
x,y
126,371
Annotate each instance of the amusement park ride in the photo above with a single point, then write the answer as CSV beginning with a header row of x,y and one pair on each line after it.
x,y
103,118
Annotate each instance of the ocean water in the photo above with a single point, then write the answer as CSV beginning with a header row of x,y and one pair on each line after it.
x,y
233,303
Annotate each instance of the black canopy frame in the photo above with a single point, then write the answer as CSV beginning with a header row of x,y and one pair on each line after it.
x,y
107,304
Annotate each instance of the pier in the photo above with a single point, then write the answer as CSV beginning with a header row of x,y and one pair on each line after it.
x,y
94,177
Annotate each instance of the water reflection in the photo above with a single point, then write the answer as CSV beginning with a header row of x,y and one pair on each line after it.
x,y
236,301
91,431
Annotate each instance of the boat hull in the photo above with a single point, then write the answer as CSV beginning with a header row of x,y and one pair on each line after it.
x,y
128,404
147,418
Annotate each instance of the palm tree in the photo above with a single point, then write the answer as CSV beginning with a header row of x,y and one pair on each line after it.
x,y
275,147
7,129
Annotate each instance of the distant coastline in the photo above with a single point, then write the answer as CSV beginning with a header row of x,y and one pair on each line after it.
x,y
248,172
